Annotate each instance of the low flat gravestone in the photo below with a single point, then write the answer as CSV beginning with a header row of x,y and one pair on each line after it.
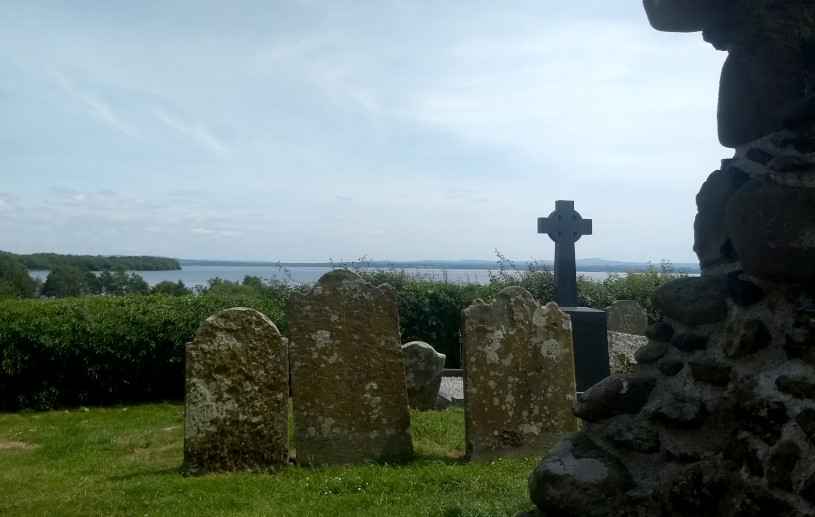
x,y
348,379
627,317
237,395
519,384
423,370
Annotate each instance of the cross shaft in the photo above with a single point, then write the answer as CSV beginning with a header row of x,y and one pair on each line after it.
x,y
565,226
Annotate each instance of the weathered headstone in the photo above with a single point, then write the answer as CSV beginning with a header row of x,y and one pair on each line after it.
x,y
565,226
237,396
519,383
423,371
348,378
627,317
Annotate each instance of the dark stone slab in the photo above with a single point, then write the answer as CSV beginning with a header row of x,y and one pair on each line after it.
x,y
590,345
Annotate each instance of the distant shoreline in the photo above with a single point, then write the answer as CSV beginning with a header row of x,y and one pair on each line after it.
x,y
585,265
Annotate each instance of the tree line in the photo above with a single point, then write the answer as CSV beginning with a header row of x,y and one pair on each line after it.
x,y
72,275
50,261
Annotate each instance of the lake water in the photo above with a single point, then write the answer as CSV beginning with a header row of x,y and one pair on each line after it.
x,y
199,275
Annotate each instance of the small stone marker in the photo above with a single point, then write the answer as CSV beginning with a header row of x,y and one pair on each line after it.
x,y
237,396
423,371
627,317
565,227
348,378
519,383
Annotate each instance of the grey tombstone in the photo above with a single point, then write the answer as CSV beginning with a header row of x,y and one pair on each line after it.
x,y
423,371
565,226
348,378
519,383
627,317
237,396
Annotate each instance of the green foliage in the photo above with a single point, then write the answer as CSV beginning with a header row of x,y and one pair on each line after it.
x,y
635,285
171,288
536,278
119,283
15,282
429,309
97,263
69,281
431,312
99,350
127,461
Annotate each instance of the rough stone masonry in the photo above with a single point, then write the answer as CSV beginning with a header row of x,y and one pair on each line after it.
x,y
519,382
719,419
348,379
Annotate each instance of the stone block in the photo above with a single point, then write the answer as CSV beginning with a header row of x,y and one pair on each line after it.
x,y
519,382
694,300
688,15
772,227
423,371
237,396
348,378
627,317
622,349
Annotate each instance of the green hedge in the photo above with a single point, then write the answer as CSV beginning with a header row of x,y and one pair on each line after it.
x,y
103,350
100,350
431,312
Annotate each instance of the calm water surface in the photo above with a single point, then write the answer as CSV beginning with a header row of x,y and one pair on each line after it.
x,y
199,275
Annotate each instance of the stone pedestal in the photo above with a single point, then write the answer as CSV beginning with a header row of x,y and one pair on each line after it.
x,y
590,345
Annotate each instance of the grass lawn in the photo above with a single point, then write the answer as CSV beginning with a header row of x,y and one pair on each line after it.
x,y
127,461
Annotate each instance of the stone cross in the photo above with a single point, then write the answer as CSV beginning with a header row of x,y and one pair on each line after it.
x,y
565,227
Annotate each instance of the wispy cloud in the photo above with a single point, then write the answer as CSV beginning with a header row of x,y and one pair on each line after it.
x,y
99,108
104,200
192,130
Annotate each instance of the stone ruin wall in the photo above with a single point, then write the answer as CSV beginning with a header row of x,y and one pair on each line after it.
x,y
719,418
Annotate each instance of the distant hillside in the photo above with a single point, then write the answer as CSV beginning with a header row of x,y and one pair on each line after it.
x,y
586,265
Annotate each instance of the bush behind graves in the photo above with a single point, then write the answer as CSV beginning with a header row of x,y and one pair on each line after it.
x,y
102,350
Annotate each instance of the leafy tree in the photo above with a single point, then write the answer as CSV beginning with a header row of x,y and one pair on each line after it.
x,y
15,282
68,281
171,288
118,283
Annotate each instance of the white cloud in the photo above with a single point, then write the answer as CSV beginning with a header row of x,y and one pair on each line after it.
x,y
97,107
192,130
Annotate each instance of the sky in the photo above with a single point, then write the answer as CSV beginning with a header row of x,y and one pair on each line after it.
x,y
316,130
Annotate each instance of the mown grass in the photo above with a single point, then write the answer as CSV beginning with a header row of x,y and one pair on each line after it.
x,y
127,461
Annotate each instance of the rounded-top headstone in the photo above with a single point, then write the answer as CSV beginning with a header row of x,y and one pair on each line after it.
x,y
236,404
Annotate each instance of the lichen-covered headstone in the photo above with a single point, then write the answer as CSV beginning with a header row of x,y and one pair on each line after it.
x,y
627,317
348,379
423,370
519,383
236,412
